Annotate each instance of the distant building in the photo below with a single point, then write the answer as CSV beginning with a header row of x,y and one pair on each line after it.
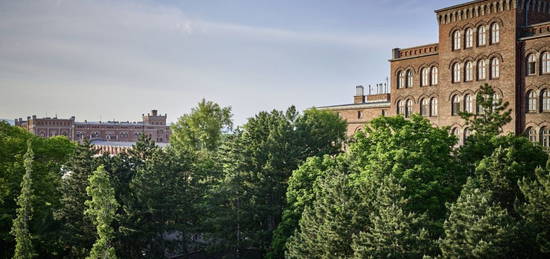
x,y
505,43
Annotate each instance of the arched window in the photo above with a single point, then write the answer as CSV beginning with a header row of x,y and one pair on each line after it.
x,y
495,33
468,104
425,77
496,100
545,136
425,107
467,134
469,39
401,80
531,101
481,70
456,40
401,108
531,64
546,62
455,105
495,68
532,134
456,73
456,132
435,76
433,106
481,35
469,71
545,100
409,78
409,110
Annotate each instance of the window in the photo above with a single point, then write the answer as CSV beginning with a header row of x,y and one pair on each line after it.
x,y
546,62
455,105
359,115
425,107
401,80
495,33
435,76
456,132
425,77
495,68
456,73
531,64
456,40
467,134
409,78
401,108
531,101
433,107
468,104
481,35
532,135
469,42
409,110
545,100
469,71
481,70
545,136
496,100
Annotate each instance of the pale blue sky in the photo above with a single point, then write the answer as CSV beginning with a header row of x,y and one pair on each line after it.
x,y
117,59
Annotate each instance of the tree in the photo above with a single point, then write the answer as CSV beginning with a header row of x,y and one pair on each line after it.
x,y
477,227
202,128
392,232
102,208
20,229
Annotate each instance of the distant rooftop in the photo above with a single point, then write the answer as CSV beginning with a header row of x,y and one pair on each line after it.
x,y
120,143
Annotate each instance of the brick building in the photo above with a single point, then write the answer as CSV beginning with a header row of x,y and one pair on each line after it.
x,y
505,43
152,124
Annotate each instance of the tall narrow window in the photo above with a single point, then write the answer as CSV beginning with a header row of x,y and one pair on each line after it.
x,y
425,77
467,134
409,78
401,80
435,76
456,132
481,70
425,107
546,62
531,101
531,64
409,109
455,105
456,73
545,100
468,104
469,41
456,40
481,35
433,106
401,108
495,68
469,71
495,33
545,137
532,135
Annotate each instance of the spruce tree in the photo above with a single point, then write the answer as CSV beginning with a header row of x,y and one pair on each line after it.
x,y
536,211
102,209
20,229
392,232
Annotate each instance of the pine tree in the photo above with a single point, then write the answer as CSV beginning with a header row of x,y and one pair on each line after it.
x,y
536,211
477,227
102,208
20,229
392,232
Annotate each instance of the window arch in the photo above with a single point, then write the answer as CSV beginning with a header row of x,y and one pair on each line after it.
x,y
455,109
425,77
401,108
469,38
531,64
433,106
409,108
545,137
531,101
531,134
469,71
545,62
409,78
545,100
468,104
456,73
481,35
435,75
495,33
400,79
481,70
425,107
456,40
495,68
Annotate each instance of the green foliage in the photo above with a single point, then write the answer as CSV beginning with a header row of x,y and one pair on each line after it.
x,y
101,208
202,128
20,229
493,113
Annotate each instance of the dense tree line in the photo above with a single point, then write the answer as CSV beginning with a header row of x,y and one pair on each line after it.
x,y
283,185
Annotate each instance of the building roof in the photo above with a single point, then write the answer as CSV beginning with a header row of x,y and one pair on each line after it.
x,y
120,143
113,123
458,5
383,104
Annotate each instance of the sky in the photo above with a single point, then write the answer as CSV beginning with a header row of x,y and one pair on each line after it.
x,y
117,59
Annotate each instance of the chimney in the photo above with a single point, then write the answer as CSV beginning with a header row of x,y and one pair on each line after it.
x,y
154,112
395,53
359,94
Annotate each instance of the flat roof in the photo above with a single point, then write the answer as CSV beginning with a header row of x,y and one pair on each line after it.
x,y
120,143
458,5
381,104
